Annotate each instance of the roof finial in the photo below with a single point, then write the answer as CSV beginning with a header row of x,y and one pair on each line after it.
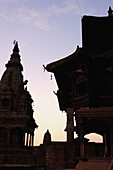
x,y
110,12
14,42
16,49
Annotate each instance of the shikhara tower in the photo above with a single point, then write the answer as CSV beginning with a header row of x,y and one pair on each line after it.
x,y
17,124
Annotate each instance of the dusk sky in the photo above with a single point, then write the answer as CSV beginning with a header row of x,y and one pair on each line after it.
x,y
46,31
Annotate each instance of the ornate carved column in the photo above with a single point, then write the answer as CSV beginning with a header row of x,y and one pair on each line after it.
x,y
70,125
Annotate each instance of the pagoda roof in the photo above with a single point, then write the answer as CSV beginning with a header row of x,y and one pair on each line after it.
x,y
93,54
54,65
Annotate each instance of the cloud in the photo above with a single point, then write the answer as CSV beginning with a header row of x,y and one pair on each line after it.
x,y
71,6
4,15
36,18
41,18
25,15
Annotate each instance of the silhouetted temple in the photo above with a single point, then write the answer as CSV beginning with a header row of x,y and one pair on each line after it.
x,y
17,124
85,93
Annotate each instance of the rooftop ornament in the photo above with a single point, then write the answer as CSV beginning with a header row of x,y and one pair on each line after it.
x,y
110,12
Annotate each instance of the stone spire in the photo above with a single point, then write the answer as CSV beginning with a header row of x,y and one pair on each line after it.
x,y
12,77
15,58
16,112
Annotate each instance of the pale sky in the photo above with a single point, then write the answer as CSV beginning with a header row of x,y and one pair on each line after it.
x,y
46,30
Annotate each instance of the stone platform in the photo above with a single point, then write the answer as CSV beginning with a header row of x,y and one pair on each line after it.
x,y
17,158
95,164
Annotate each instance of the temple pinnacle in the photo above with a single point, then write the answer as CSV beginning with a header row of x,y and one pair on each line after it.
x,y
16,49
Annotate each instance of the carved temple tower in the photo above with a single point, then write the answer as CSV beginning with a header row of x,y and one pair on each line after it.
x,y
17,124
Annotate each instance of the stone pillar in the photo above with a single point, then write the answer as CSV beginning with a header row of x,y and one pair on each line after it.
x,y
23,139
108,140
70,125
111,141
81,138
8,137
81,144
27,139
32,140
70,156
105,144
